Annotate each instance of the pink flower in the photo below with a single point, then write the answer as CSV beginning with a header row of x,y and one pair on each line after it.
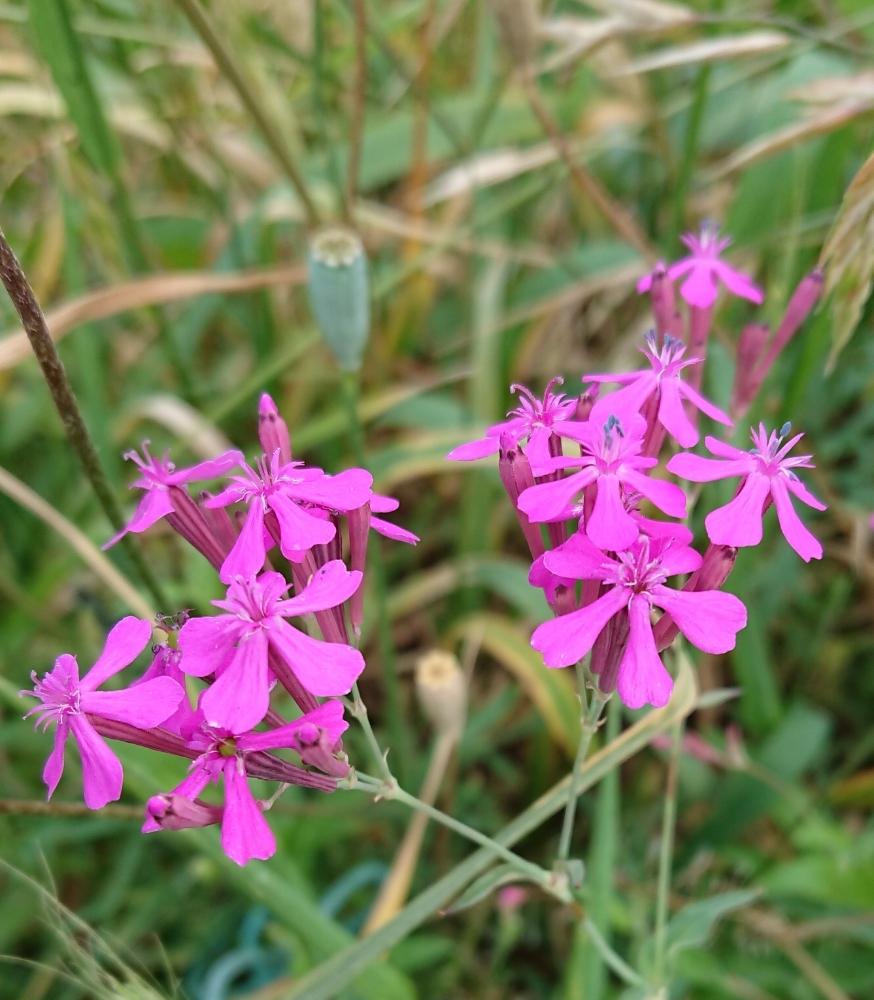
x,y
157,477
298,497
664,377
222,756
533,419
705,271
235,646
613,463
632,583
767,474
69,701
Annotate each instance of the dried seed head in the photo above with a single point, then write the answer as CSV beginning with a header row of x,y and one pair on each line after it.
x,y
442,691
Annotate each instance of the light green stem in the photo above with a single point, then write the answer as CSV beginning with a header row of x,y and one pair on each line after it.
x,y
612,960
666,852
588,724
359,710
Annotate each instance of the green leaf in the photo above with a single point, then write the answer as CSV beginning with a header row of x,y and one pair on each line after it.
x,y
691,927
484,886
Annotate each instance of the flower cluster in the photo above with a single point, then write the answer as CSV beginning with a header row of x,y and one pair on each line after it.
x,y
274,509
579,472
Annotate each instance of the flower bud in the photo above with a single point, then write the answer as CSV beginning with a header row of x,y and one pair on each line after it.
x,y
175,812
515,471
661,294
442,691
273,430
750,347
359,532
340,293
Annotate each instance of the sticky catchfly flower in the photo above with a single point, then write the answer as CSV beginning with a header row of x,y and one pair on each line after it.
x,y
68,701
633,583
704,271
767,474
664,377
613,463
533,420
235,646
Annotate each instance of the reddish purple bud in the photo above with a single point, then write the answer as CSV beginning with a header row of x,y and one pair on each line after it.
x,y
587,401
273,430
750,348
188,520
700,321
175,812
359,530
661,293
516,475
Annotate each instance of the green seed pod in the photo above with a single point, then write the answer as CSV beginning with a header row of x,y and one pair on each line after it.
x,y
340,293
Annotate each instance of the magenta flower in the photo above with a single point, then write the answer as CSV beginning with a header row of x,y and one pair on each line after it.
x,y
612,463
235,646
291,491
632,583
664,377
157,477
222,756
68,702
767,475
533,419
704,271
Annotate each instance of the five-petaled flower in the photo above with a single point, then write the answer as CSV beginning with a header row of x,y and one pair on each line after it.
x,y
68,701
768,474
632,583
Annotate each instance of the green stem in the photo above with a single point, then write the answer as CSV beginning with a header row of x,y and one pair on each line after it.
x,y
690,148
588,724
612,960
34,323
546,880
666,851
359,710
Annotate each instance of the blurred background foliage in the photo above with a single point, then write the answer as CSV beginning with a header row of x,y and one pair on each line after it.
x,y
161,222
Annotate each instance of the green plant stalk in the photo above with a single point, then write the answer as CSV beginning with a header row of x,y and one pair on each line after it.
x,y
328,979
359,711
613,960
226,62
34,323
589,718
319,109
666,853
690,149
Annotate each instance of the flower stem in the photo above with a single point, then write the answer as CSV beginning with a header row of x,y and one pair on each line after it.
x,y
611,958
546,880
359,710
35,326
589,718
666,851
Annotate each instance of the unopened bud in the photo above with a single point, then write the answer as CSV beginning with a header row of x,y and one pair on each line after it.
x,y
515,472
340,293
442,691
661,294
750,348
175,812
359,532
587,401
273,430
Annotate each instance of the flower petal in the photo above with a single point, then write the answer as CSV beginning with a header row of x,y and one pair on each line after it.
x,y
245,833
610,526
642,678
700,288
738,283
709,619
299,531
246,558
102,775
154,505
473,450
706,470
329,586
798,489
325,669
207,644
393,531
548,500
673,417
238,700
739,522
328,717
210,469
144,705
346,490
794,530
54,766
668,497
577,559
704,405
722,449
126,640
568,638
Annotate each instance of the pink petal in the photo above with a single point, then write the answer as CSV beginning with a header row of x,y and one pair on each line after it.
x,y
329,586
210,469
610,526
642,678
738,283
102,776
152,507
626,401
299,531
706,470
126,640
565,640
678,559
144,705
537,449
246,558
679,533
474,450
794,531
547,500
704,405
668,497
325,669
673,417
709,619
644,284
699,289
54,766
577,559
380,504
739,522
327,717
393,531
239,699
345,491
798,489
207,644
724,450
245,833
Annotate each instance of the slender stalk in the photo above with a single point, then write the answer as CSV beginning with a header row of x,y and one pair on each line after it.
x,y
30,807
359,710
611,958
666,851
690,148
589,717
356,117
227,63
36,328
546,880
